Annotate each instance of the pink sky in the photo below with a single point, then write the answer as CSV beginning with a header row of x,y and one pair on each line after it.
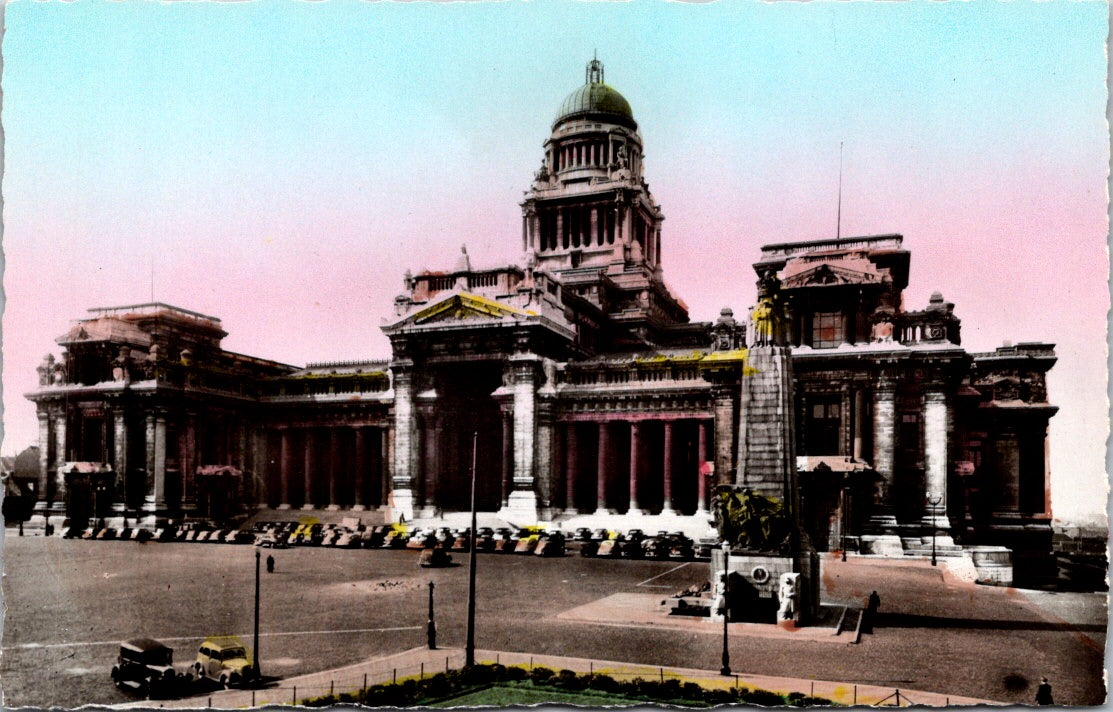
x,y
282,167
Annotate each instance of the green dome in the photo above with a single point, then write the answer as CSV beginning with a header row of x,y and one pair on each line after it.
x,y
596,98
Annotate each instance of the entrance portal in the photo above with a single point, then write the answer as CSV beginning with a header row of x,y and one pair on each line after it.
x,y
465,406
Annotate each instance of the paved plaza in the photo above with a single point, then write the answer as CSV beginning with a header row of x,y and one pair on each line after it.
x,y
70,603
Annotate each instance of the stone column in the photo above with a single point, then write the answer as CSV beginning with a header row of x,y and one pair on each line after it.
x,y
431,431
405,441
188,462
635,439
884,432
522,503
666,467
360,501
308,469
148,498
701,488
846,424
601,470
571,468
507,457
333,468
935,456
285,458
120,456
723,404
543,475
44,460
856,449
160,463
386,457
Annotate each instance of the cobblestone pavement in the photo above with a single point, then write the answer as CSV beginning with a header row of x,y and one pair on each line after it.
x,y
70,603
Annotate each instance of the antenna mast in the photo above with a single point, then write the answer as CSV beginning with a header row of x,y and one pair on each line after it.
x,y
838,215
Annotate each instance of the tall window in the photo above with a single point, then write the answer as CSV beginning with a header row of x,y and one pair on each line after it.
x,y
823,421
827,330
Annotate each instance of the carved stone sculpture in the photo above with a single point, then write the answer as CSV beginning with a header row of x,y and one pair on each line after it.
x,y
786,597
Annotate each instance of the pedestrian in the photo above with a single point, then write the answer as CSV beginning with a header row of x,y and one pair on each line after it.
x,y
872,605
1043,693
270,564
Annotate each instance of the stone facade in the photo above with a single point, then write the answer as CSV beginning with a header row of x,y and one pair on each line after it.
x,y
585,385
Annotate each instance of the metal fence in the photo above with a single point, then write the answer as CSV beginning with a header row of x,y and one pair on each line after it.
x,y
361,677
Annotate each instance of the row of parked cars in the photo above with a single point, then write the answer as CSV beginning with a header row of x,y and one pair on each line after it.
x,y
146,666
603,543
636,544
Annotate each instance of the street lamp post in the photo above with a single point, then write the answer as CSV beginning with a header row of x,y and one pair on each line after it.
x,y
934,498
255,638
431,626
469,648
725,670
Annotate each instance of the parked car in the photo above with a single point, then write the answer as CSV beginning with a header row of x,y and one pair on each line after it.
x,y
527,542
681,547
146,666
270,541
435,558
610,548
224,658
551,544
505,540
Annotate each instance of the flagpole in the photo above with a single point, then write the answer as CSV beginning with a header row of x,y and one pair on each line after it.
x,y
469,648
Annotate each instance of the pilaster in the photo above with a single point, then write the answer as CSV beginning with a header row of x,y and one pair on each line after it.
x,y
359,484
285,462
44,460
405,440
160,463
120,455
935,457
522,503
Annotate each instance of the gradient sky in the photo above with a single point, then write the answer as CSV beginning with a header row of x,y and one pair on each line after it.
x,y
280,165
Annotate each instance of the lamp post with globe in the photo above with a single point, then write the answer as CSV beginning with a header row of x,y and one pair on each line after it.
x,y
933,498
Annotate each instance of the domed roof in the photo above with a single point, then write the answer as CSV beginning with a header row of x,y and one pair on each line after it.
x,y
595,97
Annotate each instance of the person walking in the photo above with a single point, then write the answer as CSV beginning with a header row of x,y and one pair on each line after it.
x,y
872,605
270,564
1043,693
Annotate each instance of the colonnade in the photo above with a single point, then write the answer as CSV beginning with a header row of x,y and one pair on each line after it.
x,y
333,467
618,460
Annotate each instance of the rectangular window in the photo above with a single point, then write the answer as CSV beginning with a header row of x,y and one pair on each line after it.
x,y
827,330
823,426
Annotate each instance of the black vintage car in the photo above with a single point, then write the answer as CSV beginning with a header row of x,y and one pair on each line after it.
x,y
146,666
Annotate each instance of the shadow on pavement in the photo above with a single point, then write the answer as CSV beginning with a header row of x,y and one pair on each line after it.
x,y
912,620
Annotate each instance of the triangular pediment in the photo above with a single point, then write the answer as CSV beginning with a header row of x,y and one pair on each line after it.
x,y
465,306
830,272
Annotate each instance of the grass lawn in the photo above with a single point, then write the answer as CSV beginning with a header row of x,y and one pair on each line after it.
x,y
508,694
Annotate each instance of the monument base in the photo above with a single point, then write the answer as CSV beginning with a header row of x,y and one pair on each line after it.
x,y
521,508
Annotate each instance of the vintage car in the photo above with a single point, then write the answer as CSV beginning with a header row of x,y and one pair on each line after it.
x,y
611,548
505,540
271,541
434,558
681,547
347,540
146,666
550,544
395,539
421,539
527,542
224,658
631,546
461,540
